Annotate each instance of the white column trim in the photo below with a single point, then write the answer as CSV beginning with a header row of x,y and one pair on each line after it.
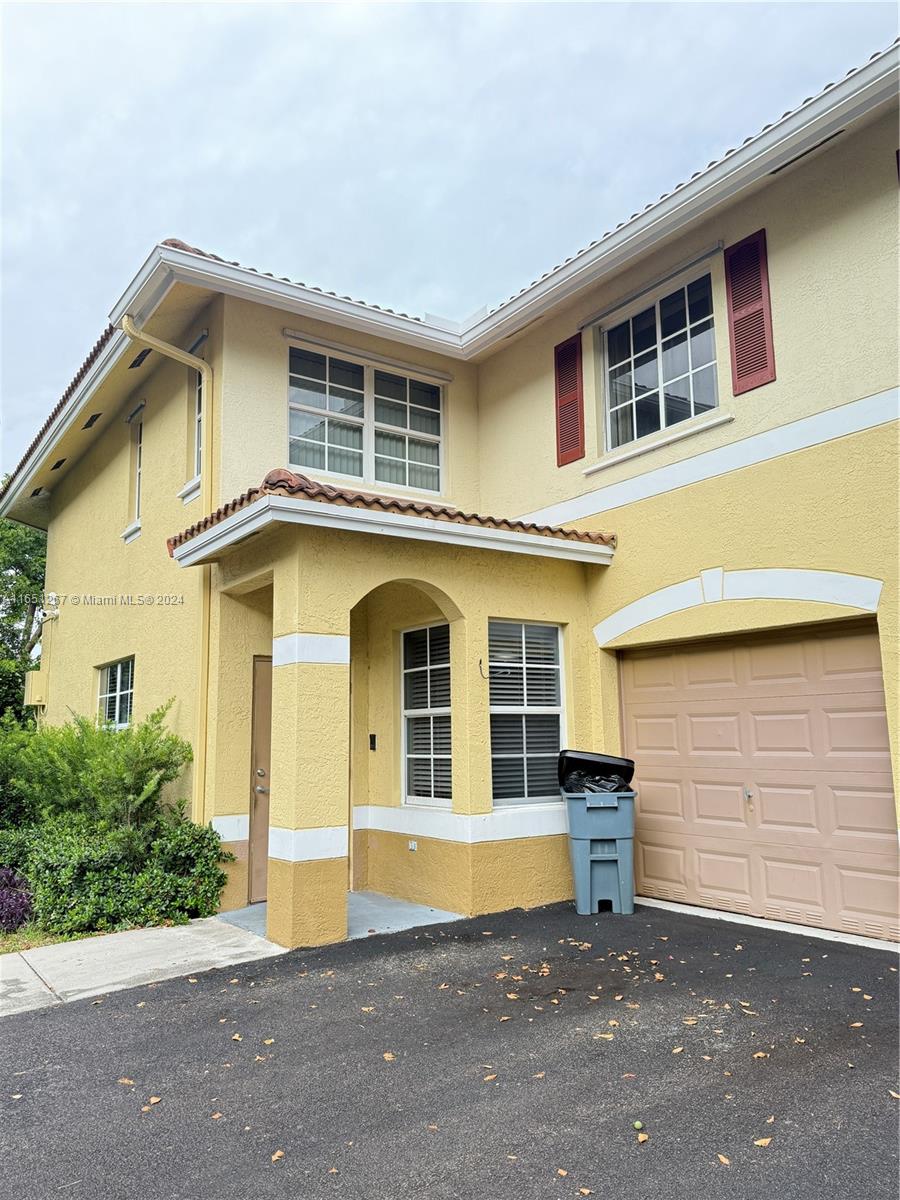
x,y
333,648
232,829
715,585
500,825
308,845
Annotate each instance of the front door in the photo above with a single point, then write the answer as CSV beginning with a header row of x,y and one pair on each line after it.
x,y
260,762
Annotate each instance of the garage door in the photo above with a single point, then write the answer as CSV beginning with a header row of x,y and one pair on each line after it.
x,y
764,778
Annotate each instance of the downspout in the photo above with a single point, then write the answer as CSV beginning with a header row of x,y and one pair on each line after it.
x,y
206,493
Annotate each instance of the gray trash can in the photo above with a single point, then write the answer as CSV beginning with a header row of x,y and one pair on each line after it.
x,y
601,833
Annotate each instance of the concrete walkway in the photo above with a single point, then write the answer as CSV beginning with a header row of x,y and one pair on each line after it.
x,y
95,966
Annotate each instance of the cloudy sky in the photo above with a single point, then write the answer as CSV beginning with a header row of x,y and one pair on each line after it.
x,y
432,157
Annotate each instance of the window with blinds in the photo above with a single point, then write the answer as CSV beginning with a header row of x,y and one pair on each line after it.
x,y
117,693
526,711
426,715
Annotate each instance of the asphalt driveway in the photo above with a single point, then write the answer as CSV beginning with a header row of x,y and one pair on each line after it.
x,y
500,1058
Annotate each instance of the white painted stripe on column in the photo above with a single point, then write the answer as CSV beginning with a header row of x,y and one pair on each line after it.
x,y
503,824
311,648
822,427
232,829
308,845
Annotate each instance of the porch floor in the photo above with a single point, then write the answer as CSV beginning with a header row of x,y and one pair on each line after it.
x,y
367,913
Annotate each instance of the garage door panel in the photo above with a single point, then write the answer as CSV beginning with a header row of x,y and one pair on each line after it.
x,y
800,722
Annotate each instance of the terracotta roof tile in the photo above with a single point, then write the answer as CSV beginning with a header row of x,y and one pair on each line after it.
x,y
285,483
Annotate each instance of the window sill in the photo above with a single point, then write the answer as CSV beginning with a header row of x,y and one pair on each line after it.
x,y
687,429
190,491
131,532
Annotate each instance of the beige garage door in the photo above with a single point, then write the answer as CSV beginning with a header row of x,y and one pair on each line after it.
x,y
764,778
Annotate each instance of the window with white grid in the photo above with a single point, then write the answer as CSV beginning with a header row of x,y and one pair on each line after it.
x,y
526,711
117,693
426,715
661,364
353,419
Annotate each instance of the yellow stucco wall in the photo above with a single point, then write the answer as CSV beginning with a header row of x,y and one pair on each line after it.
x,y
255,400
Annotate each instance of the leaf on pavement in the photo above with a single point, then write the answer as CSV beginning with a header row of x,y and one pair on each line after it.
x,y
643,1137
678,1050
388,1056
236,1037
762,1141
278,1154
124,1080
489,1078
724,1160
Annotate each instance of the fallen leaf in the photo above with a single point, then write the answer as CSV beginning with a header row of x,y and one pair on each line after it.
x,y
643,1137
725,1161
505,1019
125,1081
560,1171
760,1054
278,1154
332,1170
896,1095
607,1037
388,1057
155,1099
678,1050
268,1041
856,1025
433,1128
506,957
236,1037
512,995
489,1078
217,1116
539,1075
771,1120
762,1141
585,1192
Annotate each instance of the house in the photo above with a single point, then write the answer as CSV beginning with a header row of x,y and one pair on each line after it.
x,y
388,565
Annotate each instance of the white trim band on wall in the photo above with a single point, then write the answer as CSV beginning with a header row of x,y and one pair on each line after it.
x,y
503,824
716,585
308,845
854,417
333,648
232,829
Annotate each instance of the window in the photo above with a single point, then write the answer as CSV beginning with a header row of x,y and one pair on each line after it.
x,y
138,467
661,364
526,711
351,419
426,715
117,692
198,422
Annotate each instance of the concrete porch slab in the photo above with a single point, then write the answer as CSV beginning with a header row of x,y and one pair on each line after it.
x,y
367,913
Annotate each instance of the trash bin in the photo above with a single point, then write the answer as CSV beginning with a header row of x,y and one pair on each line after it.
x,y
601,828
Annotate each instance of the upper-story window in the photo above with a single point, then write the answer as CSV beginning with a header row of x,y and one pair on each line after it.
x,y
198,422
661,364
353,418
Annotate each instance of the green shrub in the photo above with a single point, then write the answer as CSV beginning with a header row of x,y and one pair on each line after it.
x,y
16,845
84,879
115,775
15,807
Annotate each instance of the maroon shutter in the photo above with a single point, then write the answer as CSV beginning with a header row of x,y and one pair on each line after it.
x,y
569,401
749,313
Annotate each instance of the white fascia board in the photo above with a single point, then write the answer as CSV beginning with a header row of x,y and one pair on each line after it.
x,y
108,358
839,107
848,101
290,510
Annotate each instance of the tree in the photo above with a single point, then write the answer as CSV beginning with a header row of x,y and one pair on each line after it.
x,y
22,561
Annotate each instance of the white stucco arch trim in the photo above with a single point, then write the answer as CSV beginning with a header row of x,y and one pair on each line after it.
x,y
716,584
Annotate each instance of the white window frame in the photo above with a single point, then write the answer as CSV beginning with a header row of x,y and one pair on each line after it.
x,y
198,423
117,691
629,310
367,421
138,467
407,713
529,710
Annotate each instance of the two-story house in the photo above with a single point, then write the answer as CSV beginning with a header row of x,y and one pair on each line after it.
x,y
388,566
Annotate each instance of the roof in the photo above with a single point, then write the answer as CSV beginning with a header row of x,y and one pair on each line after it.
x,y
286,483
797,131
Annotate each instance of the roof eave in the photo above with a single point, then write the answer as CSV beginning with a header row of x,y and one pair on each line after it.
x,y
211,543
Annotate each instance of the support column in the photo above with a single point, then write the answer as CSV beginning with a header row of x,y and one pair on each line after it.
x,y
309,801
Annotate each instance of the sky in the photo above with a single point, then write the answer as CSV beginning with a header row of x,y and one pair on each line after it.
x,y
431,157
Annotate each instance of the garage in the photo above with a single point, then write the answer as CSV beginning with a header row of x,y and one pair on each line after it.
x,y
764,777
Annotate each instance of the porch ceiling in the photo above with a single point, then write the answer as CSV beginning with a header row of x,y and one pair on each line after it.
x,y
295,499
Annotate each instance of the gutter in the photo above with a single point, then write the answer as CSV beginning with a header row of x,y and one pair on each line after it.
x,y
200,365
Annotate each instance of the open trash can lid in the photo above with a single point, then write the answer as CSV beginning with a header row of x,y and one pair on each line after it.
x,y
594,764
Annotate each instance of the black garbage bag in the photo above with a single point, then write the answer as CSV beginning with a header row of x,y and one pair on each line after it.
x,y
583,781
